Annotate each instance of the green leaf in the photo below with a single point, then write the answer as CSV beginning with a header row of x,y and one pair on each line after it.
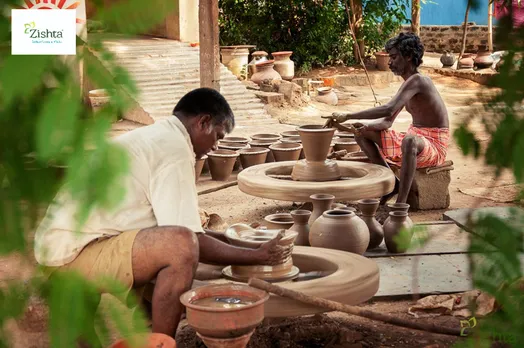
x,y
466,141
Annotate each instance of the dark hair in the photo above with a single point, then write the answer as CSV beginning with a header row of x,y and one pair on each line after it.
x,y
408,44
206,101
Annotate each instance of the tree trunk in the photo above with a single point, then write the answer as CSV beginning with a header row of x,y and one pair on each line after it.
x,y
415,17
356,20
463,48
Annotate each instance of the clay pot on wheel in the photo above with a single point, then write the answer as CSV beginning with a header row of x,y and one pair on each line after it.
x,y
253,156
300,218
199,165
286,151
341,230
321,202
264,71
392,228
484,59
369,207
279,221
221,163
447,59
284,65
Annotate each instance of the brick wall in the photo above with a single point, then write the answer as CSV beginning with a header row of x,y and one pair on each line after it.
x,y
440,38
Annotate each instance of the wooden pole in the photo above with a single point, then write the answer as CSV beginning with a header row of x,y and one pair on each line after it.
x,y
464,34
336,306
490,25
415,17
209,46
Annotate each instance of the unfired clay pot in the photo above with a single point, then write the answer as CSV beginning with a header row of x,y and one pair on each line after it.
x,y
199,165
341,230
266,137
392,227
224,145
403,207
286,151
321,202
284,65
300,218
221,163
316,141
344,135
347,209
239,140
279,221
294,140
348,145
265,144
326,95
253,156
265,71
368,208
290,134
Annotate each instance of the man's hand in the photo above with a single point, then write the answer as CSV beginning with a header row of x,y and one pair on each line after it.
x,y
338,117
270,253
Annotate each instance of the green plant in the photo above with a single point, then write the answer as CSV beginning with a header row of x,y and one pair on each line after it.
x,y
45,126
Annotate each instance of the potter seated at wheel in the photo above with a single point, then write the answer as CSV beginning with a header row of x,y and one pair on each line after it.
x,y
426,142
155,233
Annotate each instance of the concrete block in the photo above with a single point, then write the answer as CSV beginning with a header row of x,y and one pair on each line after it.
x,y
428,191
270,97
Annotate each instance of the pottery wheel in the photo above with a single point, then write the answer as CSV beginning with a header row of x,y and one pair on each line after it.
x,y
227,272
359,181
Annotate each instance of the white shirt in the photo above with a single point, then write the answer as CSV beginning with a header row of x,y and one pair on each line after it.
x,y
160,191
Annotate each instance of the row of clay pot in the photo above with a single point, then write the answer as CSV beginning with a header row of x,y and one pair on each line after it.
x,y
336,226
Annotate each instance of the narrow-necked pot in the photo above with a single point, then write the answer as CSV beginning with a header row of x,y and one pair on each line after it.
x,y
321,202
286,151
402,207
368,208
199,165
300,225
265,144
253,156
316,141
279,221
221,163
393,225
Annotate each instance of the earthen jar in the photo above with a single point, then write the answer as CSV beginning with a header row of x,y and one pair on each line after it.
x,y
321,202
326,95
466,62
348,145
284,65
265,144
258,57
484,59
368,208
224,145
402,207
279,221
300,218
253,156
238,140
341,230
264,71
199,165
447,59
382,60
286,151
221,163
392,227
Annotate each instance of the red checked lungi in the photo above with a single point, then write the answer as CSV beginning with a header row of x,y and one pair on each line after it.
x,y
436,141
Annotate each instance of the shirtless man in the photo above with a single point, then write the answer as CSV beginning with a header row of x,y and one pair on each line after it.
x,y
426,141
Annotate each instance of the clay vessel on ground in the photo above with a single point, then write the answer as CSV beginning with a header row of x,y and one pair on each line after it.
x,y
253,156
224,145
235,58
284,65
327,96
151,340
300,225
239,140
466,62
279,221
286,151
382,60
447,59
403,207
221,163
265,144
321,202
316,141
348,145
290,134
266,137
258,57
223,322
392,228
294,140
341,230
484,59
199,165
264,71
368,208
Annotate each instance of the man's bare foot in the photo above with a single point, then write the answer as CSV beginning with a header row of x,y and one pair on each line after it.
x,y
387,197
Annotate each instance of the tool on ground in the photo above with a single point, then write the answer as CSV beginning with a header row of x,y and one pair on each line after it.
x,y
340,307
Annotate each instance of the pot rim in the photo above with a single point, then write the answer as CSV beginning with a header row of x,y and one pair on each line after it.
x,y
266,63
290,134
368,201
223,153
398,205
314,128
282,53
276,215
236,139
253,151
302,212
266,136
398,213
321,196
341,142
338,214
284,147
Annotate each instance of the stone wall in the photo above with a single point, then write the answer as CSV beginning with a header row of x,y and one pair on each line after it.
x,y
440,38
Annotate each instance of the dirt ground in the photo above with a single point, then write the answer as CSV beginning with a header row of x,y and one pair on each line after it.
x,y
334,329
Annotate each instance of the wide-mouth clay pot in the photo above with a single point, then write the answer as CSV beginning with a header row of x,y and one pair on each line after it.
x,y
253,156
210,314
245,236
398,207
368,206
292,139
199,165
279,221
286,151
349,146
316,141
290,134
266,144
240,140
266,136
231,146
221,163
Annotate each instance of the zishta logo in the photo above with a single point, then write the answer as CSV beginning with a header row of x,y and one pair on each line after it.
x,y
35,33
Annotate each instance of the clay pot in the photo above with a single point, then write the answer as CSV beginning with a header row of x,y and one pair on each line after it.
x,y
235,58
484,59
300,219
316,141
349,146
402,207
223,145
466,62
253,156
265,71
382,60
286,151
258,57
447,59
368,208
238,140
321,202
290,134
210,321
326,95
284,65
396,221
266,137
199,165
358,156
221,163
341,230
294,140
152,340
265,144
279,221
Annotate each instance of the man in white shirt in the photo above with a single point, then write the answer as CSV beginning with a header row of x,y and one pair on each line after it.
x,y
155,233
